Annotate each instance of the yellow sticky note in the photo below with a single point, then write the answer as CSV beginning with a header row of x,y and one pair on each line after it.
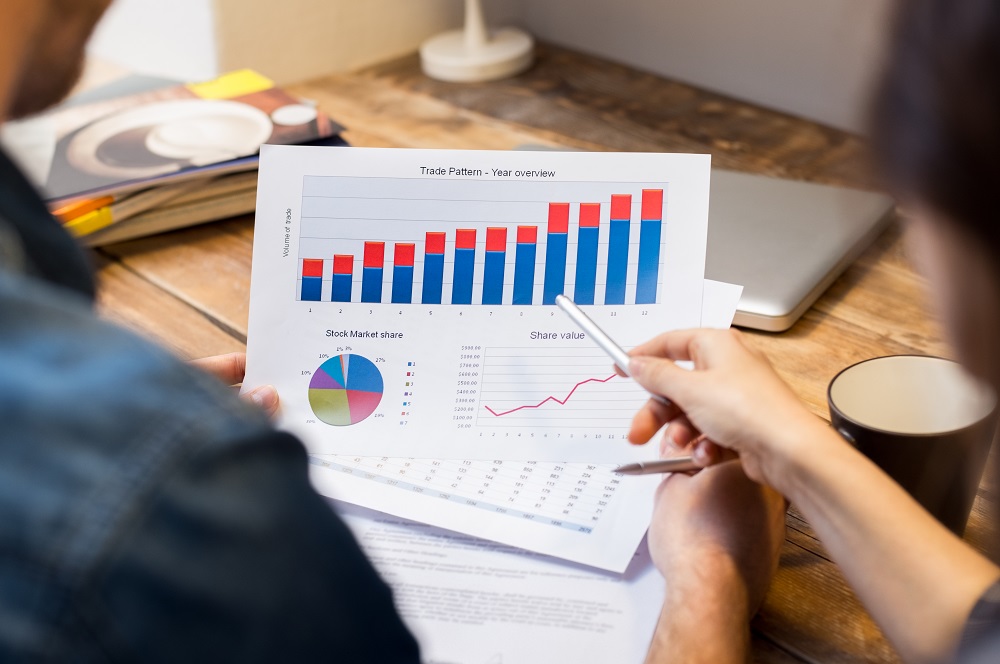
x,y
90,222
233,84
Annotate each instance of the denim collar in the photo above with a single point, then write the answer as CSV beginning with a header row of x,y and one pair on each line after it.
x,y
49,252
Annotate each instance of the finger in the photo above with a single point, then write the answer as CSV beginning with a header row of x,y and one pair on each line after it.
x,y
265,398
230,368
663,377
678,435
706,453
650,419
675,345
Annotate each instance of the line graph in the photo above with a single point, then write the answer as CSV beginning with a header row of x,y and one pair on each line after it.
x,y
554,387
561,402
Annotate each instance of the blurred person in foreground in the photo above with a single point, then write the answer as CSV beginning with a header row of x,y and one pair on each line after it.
x,y
145,513
936,137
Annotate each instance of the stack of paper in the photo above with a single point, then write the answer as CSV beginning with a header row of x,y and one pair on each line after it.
x,y
125,165
402,304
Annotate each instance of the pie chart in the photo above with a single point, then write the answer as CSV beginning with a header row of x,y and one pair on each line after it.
x,y
345,390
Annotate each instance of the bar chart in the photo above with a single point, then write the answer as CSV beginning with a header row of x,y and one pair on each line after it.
x,y
480,243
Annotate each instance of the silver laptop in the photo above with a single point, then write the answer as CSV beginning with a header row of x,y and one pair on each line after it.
x,y
785,241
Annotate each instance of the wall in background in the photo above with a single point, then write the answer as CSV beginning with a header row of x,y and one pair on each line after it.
x,y
174,39
294,40
289,41
813,59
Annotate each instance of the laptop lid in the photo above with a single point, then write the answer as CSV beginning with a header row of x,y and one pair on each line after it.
x,y
786,241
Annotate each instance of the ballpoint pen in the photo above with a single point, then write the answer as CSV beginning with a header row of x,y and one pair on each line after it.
x,y
618,355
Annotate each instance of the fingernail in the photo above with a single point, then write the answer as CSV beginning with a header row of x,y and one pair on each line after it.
x,y
701,455
265,398
636,366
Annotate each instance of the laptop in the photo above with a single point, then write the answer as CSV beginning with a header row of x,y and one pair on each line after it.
x,y
785,241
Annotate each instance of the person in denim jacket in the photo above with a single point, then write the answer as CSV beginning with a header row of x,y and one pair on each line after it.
x,y
145,513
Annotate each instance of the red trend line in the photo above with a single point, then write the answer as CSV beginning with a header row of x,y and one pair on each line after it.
x,y
561,402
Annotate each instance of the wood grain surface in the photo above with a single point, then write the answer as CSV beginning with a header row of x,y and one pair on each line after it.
x,y
189,289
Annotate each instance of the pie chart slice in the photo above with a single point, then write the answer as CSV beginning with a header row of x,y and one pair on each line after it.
x,y
346,390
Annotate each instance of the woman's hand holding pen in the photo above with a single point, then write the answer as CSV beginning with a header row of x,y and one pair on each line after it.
x,y
733,397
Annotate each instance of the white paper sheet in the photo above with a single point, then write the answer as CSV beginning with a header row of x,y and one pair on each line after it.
x,y
473,602
579,512
470,381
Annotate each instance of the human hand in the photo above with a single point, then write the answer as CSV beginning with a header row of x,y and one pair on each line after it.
x,y
231,369
733,397
718,521
716,537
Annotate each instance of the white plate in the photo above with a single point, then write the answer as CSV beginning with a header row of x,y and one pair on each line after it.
x,y
190,132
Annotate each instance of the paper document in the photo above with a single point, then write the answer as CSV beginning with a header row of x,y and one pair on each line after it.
x,y
576,511
473,602
402,300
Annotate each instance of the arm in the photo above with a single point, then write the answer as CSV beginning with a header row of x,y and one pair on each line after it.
x,y
235,558
716,537
704,617
917,579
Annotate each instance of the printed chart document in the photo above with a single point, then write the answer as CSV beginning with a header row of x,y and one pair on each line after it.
x,y
402,300
473,602
576,511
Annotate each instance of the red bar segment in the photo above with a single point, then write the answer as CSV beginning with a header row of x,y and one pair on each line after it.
x,y
465,238
652,204
527,234
621,206
559,217
343,264
496,239
434,243
403,255
312,267
374,254
590,215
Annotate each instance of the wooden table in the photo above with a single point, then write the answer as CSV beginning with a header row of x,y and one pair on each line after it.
x,y
189,289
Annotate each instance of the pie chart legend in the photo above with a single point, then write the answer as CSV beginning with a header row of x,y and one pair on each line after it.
x,y
345,390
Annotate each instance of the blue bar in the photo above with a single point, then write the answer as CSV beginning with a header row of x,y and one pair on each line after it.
x,y
649,261
524,272
402,284
433,278
617,261
586,265
342,284
555,267
371,284
493,277
312,288
465,267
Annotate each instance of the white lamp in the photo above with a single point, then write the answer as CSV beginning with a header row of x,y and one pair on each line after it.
x,y
476,53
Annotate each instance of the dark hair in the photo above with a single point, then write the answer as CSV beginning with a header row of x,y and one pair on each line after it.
x,y
935,117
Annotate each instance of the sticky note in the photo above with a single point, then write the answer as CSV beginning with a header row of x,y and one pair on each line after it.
x,y
234,84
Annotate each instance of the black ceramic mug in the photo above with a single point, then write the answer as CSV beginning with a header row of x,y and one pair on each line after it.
x,y
924,421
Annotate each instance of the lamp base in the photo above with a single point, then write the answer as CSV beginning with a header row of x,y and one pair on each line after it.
x,y
446,57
